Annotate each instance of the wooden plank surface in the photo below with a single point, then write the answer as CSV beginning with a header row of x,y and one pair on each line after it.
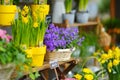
x,y
84,24
94,23
46,64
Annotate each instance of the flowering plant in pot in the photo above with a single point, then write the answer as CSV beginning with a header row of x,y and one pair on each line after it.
x,y
62,38
82,14
68,15
7,12
41,7
11,56
29,33
110,62
85,74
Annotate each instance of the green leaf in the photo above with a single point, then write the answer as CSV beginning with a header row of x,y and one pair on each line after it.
x,y
37,74
32,76
21,58
2,59
2,49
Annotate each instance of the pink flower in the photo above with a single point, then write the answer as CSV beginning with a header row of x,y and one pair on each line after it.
x,y
3,35
8,38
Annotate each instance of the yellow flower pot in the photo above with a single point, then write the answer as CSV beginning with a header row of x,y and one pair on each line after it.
x,y
7,14
37,55
43,10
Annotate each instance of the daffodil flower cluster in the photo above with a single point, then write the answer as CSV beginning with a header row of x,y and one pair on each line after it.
x,y
28,31
110,60
24,14
85,74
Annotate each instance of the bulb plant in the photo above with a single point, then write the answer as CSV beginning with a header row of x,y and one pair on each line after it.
x,y
82,5
68,6
28,30
40,1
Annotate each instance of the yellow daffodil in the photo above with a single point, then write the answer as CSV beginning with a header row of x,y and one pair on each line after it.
x,y
25,19
35,24
86,70
110,66
115,62
117,53
26,9
78,76
88,77
34,16
110,54
23,13
104,56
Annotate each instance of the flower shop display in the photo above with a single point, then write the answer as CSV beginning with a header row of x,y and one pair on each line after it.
x,y
85,74
82,14
29,34
68,15
7,12
61,42
40,8
110,61
11,56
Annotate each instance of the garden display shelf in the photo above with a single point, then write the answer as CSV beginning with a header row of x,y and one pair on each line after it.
x,y
95,24
43,69
92,23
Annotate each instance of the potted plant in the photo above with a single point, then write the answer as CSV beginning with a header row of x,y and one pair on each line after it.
x,y
85,74
41,7
11,56
7,12
29,34
110,61
61,42
82,14
68,16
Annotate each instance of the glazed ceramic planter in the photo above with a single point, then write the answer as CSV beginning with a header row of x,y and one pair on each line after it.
x,y
37,54
58,11
70,17
7,14
82,17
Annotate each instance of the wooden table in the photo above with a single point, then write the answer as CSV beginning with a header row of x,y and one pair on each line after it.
x,y
68,65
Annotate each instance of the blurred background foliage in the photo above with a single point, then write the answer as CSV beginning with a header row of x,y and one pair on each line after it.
x,y
104,6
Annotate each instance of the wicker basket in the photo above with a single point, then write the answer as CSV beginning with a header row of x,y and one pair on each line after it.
x,y
60,55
